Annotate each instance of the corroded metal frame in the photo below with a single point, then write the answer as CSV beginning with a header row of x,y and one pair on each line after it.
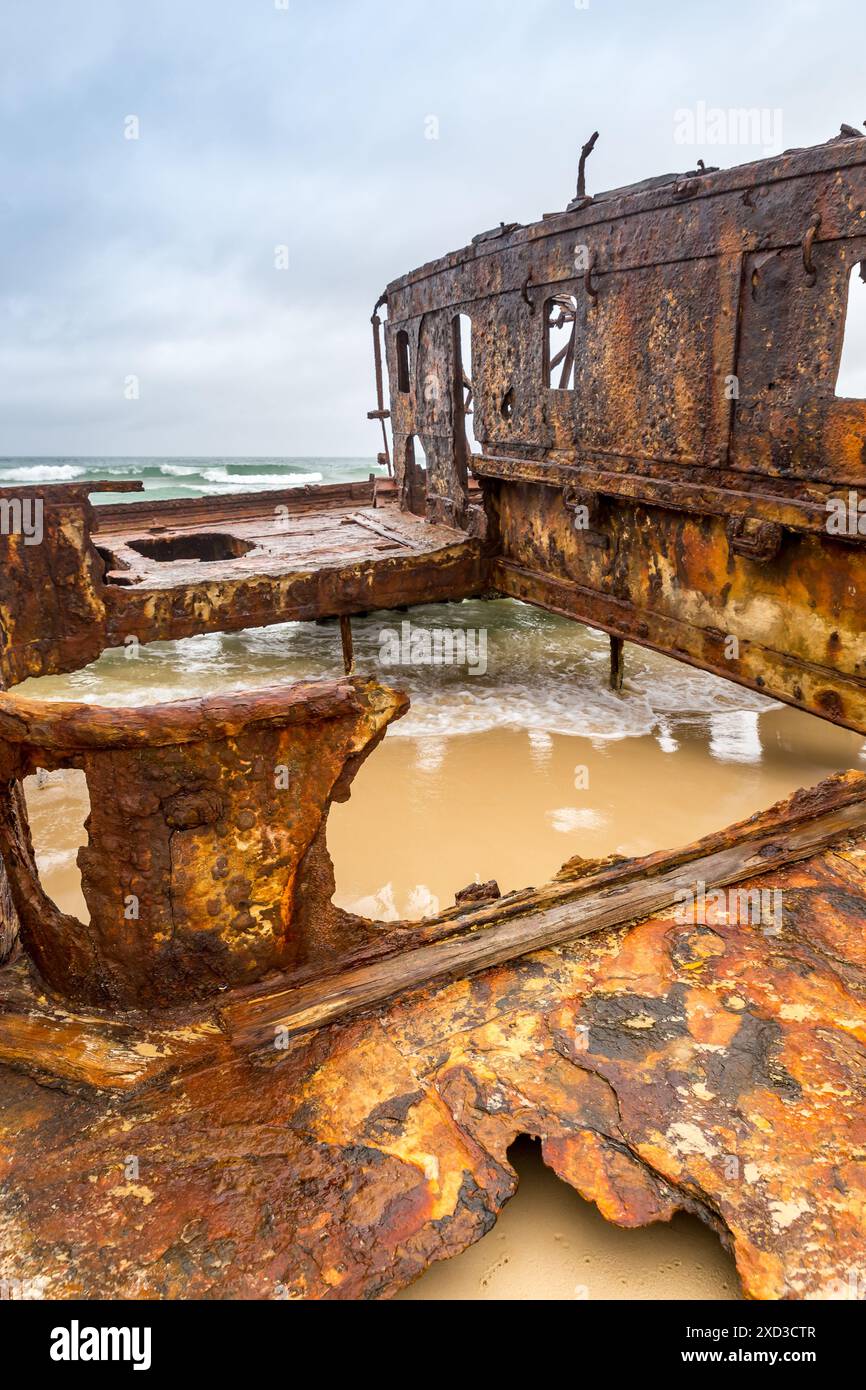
x,y
703,435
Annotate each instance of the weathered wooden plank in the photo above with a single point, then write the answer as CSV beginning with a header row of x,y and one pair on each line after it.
x,y
192,511
98,1054
750,854
389,533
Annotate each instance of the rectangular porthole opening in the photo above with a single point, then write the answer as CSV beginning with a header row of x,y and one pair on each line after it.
x,y
415,477
851,378
465,380
560,328
403,375
58,807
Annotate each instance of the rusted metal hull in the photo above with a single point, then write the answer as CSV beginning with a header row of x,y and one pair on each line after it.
x,y
675,493
707,1067
790,627
205,866
287,558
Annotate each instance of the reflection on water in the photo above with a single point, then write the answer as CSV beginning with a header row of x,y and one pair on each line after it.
x,y
735,737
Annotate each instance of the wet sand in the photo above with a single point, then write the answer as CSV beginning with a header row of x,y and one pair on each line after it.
x,y
503,776
549,1244
431,815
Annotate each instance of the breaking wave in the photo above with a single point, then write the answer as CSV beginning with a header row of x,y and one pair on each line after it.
x,y
41,473
222,475
165,478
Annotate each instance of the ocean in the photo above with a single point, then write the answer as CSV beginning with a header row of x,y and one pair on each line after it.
x,y
162,478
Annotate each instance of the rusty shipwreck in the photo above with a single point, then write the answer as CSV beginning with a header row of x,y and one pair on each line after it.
x,y
319,1106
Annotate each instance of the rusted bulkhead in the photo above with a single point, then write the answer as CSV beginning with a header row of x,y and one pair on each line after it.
x,y
206,865
663,474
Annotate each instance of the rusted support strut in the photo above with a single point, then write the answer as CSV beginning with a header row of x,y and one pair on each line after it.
x,y
380,413
586,150
348,646
617,662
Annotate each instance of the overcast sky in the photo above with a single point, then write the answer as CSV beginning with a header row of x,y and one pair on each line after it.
x,y
308,127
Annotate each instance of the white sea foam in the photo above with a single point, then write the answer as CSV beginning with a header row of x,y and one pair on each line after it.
x,y
52,861
382,906
420,902
378,907
41,473
222,475
545,675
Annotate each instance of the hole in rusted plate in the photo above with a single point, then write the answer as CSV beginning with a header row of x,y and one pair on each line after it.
x,y
205,546
549,1242
58,805
113,568
560,320
403,374
416,475
109,560
463,347
851,379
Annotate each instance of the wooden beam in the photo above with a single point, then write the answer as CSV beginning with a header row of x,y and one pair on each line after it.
x,y
755,848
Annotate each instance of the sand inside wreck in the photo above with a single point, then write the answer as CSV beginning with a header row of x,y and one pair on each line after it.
x,y
550,1244
503,775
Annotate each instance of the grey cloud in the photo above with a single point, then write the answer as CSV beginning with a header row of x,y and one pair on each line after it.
x,y
306,127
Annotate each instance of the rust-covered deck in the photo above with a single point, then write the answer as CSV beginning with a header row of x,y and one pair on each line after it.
x,y
318,554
